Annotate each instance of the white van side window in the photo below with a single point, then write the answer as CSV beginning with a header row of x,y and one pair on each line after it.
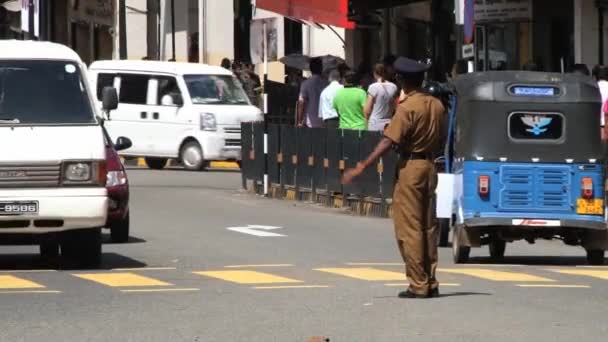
x,y
104,80
167,88
133,89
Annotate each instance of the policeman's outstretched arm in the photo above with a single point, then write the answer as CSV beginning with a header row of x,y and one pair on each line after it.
x,y
383,146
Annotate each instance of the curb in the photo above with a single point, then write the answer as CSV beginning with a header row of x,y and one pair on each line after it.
x,y
141,162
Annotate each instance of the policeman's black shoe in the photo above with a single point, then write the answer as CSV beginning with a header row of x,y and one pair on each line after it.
x,y
410,294
434,293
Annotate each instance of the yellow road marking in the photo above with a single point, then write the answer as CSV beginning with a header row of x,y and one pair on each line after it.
x,y
260,265
291,287
145,269
496,275
161,290
122,279
365,273
406,284
141,162
588,272
375,264
223,165
12,282
247,277
555,286
30,291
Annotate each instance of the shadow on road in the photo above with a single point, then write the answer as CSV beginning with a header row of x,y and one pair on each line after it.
x,y
107,240
35,262
459,294
179,169
532,261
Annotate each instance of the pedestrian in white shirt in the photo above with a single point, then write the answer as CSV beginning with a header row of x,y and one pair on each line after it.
x,y
326,108
381,97
602,83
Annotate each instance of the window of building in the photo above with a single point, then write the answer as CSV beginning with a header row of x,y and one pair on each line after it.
x,y
133,88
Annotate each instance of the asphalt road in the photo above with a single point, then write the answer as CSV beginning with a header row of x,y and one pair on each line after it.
x,y
186,277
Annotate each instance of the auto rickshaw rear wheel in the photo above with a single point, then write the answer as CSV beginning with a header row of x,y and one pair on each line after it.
x,y
497,248
460,253
595,257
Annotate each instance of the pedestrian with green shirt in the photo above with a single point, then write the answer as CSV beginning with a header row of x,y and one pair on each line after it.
x,y
349,103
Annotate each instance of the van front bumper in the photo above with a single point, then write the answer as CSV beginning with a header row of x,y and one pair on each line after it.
x,y
498,223
215,146
58,210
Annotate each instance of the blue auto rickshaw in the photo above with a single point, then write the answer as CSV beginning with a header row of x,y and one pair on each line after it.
x,y
525,160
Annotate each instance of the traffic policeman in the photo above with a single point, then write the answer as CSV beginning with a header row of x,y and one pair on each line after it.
x,y
417,130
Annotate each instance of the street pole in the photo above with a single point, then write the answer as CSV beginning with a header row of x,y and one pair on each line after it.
x,y
202,31
265,111
173,29
122,28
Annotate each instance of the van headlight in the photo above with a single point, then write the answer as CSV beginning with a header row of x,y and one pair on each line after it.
x,y
77,172
84,173
208,122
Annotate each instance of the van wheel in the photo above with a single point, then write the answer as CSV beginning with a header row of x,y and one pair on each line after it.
x,y
497,249
82,247
156,163
595,257
460,253
49,249
444,232
119,231
192,156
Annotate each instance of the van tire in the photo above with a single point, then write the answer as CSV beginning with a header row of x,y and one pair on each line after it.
x,y
83,247
595,257
119,231
156,163
49,249
191,156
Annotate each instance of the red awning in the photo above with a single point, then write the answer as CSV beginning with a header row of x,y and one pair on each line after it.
x,y
329,12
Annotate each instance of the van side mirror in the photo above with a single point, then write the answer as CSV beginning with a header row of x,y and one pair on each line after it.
x,y
109,99
178,100
122,143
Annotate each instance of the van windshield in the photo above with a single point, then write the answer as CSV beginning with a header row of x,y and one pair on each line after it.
x,y
215,89
43,93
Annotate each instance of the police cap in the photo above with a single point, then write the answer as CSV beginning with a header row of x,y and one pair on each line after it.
x,y
409,66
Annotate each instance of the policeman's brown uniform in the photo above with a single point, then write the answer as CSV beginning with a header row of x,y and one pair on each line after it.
x,y
418,128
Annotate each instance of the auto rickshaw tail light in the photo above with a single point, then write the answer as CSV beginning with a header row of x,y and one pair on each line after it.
x,y
587,188
484,186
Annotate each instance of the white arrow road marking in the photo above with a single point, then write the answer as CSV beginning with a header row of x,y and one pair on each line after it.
x,y
251,230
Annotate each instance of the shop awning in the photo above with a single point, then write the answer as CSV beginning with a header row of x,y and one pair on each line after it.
x,y
329,12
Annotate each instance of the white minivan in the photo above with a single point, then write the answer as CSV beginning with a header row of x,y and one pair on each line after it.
x,y
184,111
52,163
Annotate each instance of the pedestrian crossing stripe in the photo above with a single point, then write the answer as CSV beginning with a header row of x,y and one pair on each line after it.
x,y
494,275
122,279
586,272
12,282
365,273
247,277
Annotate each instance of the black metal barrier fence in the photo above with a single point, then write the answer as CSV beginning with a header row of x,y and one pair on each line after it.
x,y
308,163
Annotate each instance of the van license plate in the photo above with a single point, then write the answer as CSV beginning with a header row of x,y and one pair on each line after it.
x,y
18,208
589,206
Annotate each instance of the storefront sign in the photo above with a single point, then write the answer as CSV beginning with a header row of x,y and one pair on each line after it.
x,y
468,51
102,12
502,10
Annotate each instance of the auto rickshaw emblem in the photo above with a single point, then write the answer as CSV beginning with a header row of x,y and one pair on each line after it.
x,y
537,123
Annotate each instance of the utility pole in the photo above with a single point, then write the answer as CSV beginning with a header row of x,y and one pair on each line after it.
x,y
173,29
151,28
122,29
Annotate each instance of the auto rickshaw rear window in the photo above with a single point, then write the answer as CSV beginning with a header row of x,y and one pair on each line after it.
x,y
541,127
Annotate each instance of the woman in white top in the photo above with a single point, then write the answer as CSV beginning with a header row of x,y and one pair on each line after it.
x,y
380,105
